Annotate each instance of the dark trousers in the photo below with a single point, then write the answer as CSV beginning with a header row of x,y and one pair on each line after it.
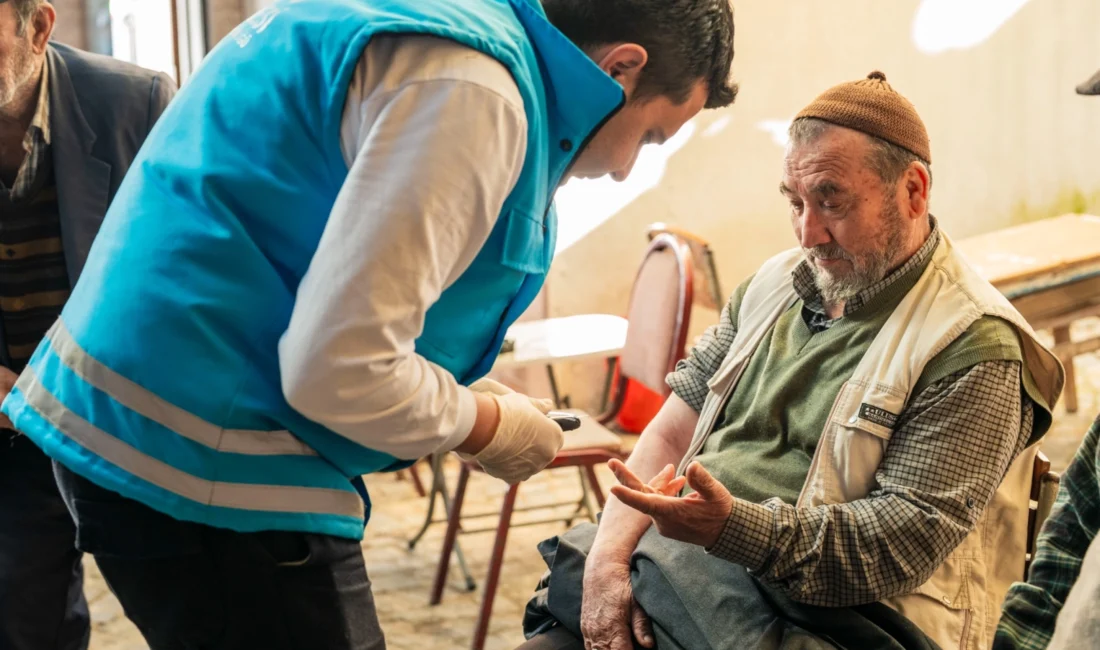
x,y
695,600
557,638
187,586
42,604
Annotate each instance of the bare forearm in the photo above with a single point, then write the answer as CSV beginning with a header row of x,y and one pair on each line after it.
x,y
664,441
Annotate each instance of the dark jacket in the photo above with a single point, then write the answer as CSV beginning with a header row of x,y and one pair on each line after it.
x,y
101,109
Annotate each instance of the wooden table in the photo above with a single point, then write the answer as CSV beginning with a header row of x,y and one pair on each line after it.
x,y
1050,271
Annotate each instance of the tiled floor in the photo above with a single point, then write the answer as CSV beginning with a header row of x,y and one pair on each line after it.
x,y
402,578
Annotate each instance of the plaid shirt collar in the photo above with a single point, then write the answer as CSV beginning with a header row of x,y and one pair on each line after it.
x,y
813,308
36,140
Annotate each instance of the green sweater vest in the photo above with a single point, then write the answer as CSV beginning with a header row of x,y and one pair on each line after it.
x,y
762,445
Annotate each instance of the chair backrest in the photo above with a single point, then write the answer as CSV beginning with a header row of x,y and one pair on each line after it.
x,y
708,290
1044,489
659,313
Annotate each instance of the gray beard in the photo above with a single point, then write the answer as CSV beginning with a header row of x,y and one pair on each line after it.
x,y
15,73
867,270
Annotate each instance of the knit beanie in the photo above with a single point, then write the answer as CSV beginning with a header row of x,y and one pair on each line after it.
x,y
871,106
1090,87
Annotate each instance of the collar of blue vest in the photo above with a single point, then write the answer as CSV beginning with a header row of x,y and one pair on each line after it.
x,y
582,96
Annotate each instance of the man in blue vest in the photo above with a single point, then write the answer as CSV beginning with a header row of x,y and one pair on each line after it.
x,y
319,247
70,125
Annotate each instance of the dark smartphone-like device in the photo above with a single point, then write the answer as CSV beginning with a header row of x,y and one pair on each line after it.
x,y
567,421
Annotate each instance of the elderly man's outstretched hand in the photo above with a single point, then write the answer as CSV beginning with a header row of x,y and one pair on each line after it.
x,y
609,613
697,518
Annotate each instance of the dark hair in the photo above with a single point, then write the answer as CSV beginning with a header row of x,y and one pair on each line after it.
x,y
24,9
687,40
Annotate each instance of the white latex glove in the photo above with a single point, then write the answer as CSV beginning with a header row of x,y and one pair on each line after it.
x,y
493,387
525,440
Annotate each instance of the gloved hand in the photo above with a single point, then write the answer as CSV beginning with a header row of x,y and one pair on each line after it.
x,y
525,440
494,387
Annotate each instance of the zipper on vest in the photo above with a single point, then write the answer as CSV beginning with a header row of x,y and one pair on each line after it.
x,y
967,615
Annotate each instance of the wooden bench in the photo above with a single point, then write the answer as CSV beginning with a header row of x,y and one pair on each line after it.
x,y
1050,271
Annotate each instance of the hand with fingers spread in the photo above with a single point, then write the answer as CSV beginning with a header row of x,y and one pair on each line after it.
x,y
609,614
697,518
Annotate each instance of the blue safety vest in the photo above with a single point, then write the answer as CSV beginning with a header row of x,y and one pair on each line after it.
x,y
161,379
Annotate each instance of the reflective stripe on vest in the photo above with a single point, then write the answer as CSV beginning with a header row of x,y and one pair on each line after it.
x,y
149,405
271,498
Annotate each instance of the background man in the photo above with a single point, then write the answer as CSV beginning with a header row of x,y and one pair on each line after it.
x,y
844,429
321,244
70,125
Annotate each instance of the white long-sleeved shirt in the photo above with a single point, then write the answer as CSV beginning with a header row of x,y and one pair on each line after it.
x,y
434,135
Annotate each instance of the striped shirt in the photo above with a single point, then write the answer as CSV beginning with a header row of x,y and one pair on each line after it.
x,y
34,282
36,143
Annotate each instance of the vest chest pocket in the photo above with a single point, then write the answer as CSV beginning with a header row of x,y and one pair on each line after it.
x,y
852,445
473,313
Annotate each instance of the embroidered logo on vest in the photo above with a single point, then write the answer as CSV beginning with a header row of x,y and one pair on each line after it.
x,y
879,416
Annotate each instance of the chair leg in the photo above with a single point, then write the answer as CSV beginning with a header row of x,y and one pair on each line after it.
x,y
418,485
471,585
609,378
1061,335
554,395
439,486
590,470
481,631
449,538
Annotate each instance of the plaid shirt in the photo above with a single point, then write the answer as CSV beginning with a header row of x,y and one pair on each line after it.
x,y
1031,609
36,142
950,449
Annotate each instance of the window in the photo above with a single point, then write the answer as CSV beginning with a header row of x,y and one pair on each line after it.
x,y
162,35
141,33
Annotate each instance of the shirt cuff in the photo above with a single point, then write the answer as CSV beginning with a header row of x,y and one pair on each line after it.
x,y
464,420
688,387
746,539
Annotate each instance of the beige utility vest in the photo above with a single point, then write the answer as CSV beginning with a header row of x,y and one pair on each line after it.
x,y
959,606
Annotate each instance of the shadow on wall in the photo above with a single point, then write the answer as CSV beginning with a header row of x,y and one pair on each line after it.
x,y
993,80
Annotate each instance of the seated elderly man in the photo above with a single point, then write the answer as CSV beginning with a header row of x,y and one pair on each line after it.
x,y
857,433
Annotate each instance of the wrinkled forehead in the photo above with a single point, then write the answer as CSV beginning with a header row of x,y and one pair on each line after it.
x,y
838,156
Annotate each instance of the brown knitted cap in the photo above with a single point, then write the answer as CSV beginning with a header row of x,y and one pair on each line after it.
x,y
870,105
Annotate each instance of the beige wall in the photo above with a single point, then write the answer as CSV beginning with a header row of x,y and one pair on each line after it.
x,y
1010,138
70,23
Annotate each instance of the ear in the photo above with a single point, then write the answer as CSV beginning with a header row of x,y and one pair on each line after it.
x,y
624,64
41,26
917,184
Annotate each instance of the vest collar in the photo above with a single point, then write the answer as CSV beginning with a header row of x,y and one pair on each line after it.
x,y
579,95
